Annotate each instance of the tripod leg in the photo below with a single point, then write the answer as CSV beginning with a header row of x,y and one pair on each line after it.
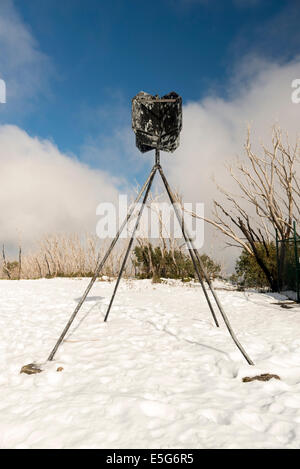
x,y
129,246
101,265
189,249
224,315
190,244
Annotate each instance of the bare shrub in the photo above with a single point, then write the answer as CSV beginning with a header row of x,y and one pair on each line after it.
x,y
64,255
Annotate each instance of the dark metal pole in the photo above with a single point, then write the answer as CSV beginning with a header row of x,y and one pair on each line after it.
x,y
100,265
296,262
224,316
188,246
129,245
277,256
157,157
190,243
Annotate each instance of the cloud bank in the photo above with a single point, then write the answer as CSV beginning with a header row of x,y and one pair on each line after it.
x,y
44,191
214,131
23,66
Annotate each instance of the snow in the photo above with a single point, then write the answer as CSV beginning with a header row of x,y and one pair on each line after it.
x,y
158,374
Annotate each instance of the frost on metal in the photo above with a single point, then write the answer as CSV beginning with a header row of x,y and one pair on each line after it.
x,y
157,122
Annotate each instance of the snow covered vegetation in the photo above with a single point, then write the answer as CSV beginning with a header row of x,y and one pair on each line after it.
x,y
158,374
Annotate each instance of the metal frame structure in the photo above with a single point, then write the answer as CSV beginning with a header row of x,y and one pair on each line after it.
x,y
288,265
195,257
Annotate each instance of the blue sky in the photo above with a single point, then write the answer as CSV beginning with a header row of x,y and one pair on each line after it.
x,y
72,67
99,54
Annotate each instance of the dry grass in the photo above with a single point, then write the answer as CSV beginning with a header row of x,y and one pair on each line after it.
x,y
63,255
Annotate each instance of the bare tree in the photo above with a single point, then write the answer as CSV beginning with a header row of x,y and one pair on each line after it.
x,y
20,263
5,265
268,200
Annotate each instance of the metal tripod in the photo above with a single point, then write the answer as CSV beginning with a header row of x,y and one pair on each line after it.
x,y
195,257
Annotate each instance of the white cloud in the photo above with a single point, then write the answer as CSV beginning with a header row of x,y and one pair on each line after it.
x,y
44,191
214,130
23,66
112,144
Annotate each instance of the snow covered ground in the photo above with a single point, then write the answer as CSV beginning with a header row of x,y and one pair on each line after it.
x,y
158,374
